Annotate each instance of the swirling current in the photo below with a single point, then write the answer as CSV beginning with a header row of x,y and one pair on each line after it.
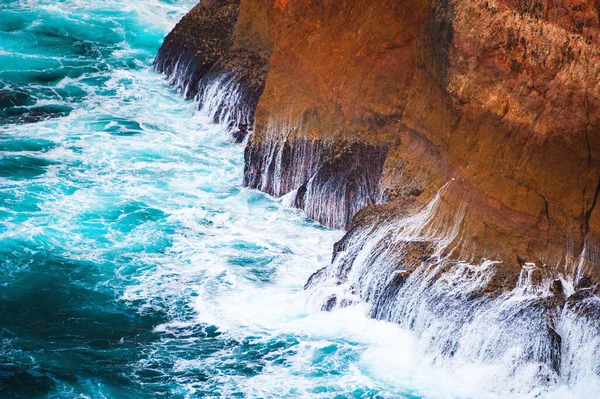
x,y
133,264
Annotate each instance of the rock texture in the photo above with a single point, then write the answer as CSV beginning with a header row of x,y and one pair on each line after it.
x,y
380,105
340,74
214,42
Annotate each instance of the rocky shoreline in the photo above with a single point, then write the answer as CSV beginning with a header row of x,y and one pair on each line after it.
x,y
457,142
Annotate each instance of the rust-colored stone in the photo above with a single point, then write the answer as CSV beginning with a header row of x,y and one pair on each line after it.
x,y
497,101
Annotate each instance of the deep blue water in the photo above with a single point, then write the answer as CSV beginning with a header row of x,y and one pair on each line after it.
x,y
132,262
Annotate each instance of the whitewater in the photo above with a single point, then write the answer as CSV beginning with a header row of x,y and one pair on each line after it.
x,y
133,264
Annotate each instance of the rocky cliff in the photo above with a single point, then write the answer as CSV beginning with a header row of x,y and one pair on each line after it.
x,y
215,52
442,132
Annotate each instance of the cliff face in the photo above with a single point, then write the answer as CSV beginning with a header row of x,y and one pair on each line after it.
x,y
496,99
437,131
366,103
220,45
521,88
339,82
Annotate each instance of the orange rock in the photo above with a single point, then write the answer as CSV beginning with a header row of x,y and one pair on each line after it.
x,y
499,100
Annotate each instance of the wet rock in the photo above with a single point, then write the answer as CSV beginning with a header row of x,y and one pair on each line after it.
x,y
333,180
342,185
212,41
313,278
585,305
197,43
555,347
584,282
556,288
240,133
330,304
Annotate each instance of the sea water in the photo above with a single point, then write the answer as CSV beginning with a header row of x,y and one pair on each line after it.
x,y
133,264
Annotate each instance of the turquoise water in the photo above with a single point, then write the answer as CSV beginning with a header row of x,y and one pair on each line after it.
x,y
132,262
